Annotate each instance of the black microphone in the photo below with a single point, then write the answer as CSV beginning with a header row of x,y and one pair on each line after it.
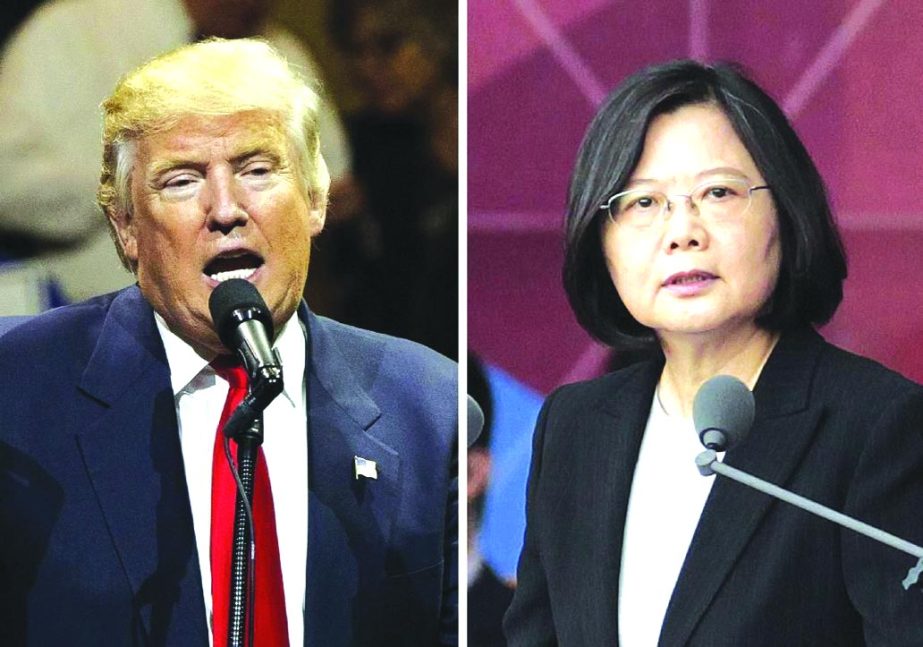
x,y
475,421
244,325
723,414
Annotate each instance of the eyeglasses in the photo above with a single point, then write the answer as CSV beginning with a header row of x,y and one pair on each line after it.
x,y
715,199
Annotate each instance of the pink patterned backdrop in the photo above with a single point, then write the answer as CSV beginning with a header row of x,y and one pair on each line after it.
x,y
849,74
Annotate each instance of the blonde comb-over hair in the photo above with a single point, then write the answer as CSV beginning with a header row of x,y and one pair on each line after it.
x,y
216,77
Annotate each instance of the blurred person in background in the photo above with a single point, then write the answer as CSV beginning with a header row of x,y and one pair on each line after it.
x,y
54,73
698,226
401,245
488,595
14,12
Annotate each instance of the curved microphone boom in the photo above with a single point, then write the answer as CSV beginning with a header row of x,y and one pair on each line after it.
x,y
723,414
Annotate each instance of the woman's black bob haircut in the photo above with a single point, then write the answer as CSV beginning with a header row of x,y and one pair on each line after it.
x,y
813,265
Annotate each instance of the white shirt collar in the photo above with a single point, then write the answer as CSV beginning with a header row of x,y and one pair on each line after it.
x,y
189,371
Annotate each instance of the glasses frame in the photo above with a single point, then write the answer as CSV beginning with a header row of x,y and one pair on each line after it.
x,y
607,207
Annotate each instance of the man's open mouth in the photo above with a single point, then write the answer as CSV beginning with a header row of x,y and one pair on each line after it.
x,y
235,265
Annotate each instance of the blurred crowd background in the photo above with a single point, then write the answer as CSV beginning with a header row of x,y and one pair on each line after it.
x,y
387,70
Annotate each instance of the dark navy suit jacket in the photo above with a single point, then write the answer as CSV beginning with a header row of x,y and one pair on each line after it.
x,y
96,535
831,426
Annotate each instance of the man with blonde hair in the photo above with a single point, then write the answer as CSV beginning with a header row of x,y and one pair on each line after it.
x,y
54,72
110,467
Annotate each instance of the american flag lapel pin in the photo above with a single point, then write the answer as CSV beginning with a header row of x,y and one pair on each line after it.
x,y
365,468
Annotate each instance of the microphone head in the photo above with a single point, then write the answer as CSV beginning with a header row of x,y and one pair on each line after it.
x,y
235,301
475,421
723,404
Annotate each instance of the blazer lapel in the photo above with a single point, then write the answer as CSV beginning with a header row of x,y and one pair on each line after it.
x,y
784,427
611,453
349,518
126,430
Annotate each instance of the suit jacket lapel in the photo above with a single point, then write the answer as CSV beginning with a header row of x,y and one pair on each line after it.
x,y
349,519
783,428
125,424
610,454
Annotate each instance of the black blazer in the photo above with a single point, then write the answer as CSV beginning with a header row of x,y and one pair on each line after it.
x,y
488,599
834,427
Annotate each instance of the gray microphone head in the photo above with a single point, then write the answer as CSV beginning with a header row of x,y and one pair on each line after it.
x,y
723,412
475,421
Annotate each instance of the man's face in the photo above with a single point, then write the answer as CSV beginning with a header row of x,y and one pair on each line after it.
x,y
217,198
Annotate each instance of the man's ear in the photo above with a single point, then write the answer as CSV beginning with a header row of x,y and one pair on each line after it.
x,y
316,219
124,226
317,197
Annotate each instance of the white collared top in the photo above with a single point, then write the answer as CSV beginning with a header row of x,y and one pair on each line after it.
x,y
666,501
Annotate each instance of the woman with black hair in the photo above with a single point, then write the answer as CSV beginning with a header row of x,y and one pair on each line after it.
x,y
698,225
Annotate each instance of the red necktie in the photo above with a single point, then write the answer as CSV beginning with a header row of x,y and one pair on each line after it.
x,y
269,600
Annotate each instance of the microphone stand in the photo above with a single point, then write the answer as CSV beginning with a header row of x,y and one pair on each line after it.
x,y
708,464
245,426
248,444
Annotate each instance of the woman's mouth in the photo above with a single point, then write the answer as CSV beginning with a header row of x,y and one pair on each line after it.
x,y
689,283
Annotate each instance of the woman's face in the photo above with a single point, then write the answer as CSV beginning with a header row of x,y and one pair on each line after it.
x,y
689,272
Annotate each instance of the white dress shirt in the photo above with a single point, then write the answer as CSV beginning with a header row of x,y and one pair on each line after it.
x,y
666,501
199,395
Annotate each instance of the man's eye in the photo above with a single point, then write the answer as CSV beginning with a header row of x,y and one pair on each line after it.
x,y
178,182
261,169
